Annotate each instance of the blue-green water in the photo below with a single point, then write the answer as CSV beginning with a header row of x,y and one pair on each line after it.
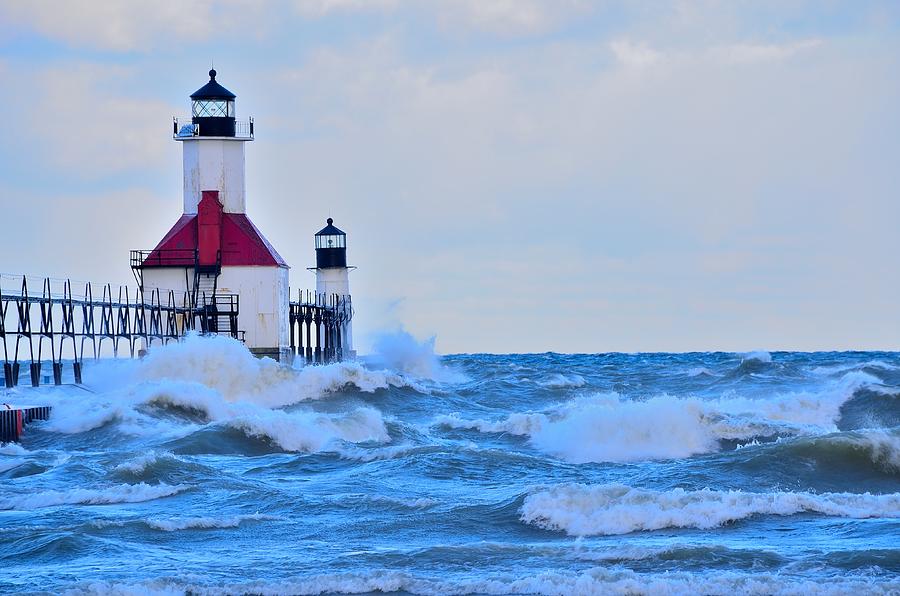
x,y
203,470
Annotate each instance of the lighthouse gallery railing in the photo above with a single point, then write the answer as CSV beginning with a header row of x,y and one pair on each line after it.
x,y
185,128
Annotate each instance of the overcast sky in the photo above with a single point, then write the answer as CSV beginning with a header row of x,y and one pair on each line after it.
x,y
513,175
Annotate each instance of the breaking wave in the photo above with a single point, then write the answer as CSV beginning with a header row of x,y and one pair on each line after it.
x,y
560,381
875,450
610,428
186,523
400,351
310,432
122,493
609,509
759,356
141,463
216,381
753,362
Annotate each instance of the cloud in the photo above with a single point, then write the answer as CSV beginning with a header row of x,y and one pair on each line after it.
x,y
503,17
631,54
509,16
649,183
83,236
126,25
681,206
744,53
319,8
81,118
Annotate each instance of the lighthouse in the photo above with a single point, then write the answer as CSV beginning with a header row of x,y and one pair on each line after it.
x,y
333,274
214,254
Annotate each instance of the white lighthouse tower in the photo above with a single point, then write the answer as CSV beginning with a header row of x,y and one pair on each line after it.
x,y
214,253
333,275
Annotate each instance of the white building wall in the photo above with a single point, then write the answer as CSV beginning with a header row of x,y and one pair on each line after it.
x,y
333,281
214,164
165,279
264,295
264,311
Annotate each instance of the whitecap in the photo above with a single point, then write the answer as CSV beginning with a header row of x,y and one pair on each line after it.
x,y
121,493
185,523
609,509
609,428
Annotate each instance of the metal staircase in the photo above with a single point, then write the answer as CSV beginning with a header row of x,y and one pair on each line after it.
x,y
206,281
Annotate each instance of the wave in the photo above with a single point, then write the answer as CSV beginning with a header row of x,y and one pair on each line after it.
x,y
172,409
561,381
610,509
311,432
139,465
380,453
609,428
872,450
701,371
597,580
759,356
223,366
13,449
398,350
10,464
186,523
752,363
227,366
122,493
298,430
841,368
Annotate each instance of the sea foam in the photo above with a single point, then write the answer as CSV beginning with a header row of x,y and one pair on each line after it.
x,y
582,510
591,582
608,427
219,380
205,523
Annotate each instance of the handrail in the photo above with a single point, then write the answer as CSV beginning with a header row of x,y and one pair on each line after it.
x,y
170,257
186,128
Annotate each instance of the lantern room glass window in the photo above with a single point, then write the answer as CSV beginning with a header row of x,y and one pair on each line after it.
x,y
332,241
213,108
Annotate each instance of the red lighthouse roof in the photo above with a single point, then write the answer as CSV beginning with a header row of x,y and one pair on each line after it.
x,y
242,244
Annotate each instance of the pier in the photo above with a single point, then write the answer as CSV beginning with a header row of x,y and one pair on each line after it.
x,y
53,322
14,418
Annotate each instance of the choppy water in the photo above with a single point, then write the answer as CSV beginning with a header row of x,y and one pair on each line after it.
x,y
203,470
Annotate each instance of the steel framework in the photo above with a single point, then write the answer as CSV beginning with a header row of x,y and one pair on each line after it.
x,y
324,321
66,324
72,326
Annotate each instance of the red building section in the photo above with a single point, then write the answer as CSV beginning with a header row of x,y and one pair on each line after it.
x,y
211,231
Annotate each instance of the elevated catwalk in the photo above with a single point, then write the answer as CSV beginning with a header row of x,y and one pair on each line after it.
x,y
53,326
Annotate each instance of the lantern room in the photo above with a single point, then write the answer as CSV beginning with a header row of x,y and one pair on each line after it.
x,y
212,109
331,247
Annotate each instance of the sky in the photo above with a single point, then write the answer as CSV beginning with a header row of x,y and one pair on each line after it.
x,y
513,175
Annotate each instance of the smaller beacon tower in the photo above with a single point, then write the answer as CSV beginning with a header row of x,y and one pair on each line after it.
x,y
333,275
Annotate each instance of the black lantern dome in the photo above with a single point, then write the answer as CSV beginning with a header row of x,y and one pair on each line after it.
x,y
212,109
331,247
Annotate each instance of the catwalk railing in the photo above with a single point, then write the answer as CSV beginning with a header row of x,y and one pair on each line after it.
x,y
320,327
41,317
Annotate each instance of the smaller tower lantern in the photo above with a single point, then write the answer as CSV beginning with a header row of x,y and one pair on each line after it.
x,y
212,109
331,247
